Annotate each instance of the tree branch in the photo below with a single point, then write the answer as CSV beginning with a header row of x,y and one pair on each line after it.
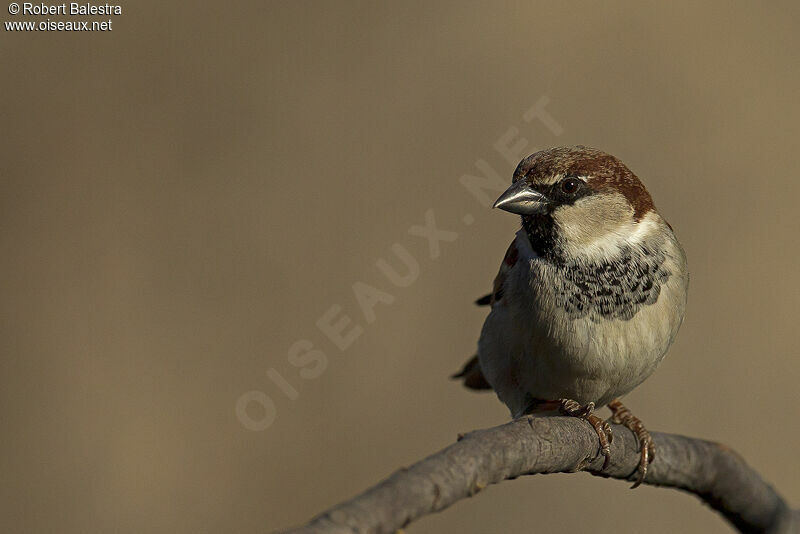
x,y
533,445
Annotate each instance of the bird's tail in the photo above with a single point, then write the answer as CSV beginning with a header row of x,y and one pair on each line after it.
x,y
472,376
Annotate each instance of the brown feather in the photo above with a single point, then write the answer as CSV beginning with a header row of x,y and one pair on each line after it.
x,y
605,170
472,375
508,262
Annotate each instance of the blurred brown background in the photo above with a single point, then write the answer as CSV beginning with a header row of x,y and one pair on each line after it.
x,y
185,196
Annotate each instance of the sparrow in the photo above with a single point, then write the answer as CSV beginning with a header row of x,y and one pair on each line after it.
x,y
589,297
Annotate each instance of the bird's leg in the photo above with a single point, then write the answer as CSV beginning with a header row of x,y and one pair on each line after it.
x,y
623,416
574,409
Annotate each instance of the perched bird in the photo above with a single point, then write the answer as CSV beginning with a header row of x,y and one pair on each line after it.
x,y
589,297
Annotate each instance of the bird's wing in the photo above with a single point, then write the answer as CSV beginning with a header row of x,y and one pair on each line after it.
x,y
471,373
484,300
510,259
497,291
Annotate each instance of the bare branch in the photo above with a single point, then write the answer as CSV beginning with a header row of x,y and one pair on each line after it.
x,y
532,445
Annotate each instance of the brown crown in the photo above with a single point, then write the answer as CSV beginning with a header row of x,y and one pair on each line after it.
x,y
603,171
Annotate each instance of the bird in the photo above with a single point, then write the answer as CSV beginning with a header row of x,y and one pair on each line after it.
x,y
589,296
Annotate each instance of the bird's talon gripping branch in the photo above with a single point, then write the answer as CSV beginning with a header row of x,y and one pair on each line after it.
x,y
574,409
647,447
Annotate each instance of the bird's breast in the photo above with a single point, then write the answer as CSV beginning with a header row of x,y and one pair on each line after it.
x,y
595,331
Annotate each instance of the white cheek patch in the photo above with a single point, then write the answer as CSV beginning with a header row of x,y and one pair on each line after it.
x,y
598,226
645,227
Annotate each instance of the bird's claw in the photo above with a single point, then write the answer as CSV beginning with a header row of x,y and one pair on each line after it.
x,y
647,447
648,454
574,409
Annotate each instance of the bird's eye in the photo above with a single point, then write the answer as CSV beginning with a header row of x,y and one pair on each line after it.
x,y
570,185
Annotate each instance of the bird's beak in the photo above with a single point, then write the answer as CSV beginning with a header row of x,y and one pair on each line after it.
x,y
521,199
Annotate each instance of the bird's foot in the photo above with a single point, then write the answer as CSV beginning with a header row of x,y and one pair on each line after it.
x,y
647,447
574,409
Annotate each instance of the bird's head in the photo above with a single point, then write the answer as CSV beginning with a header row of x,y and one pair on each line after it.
x,y
577,201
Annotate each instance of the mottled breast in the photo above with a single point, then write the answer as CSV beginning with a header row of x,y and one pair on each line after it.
x,y
615,288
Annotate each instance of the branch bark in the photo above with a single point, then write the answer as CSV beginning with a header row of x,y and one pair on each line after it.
x,y
538,445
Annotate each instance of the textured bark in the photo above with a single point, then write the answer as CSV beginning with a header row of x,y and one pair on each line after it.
x,y
531,445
